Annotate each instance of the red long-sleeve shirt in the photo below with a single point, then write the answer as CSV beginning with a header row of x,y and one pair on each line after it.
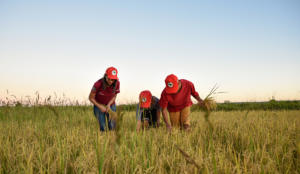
x,y
178,101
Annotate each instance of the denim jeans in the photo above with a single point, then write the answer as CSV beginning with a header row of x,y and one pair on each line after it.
x,y
104,117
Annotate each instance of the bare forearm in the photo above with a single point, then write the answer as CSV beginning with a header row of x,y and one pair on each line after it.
x,y
158,116
165,116
198,98
93,100
112,100
138,126
100,106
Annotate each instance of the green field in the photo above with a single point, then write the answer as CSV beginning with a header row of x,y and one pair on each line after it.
x,y
50,139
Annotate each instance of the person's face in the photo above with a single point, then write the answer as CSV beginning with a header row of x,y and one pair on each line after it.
x,y
179,86
109,81
140,100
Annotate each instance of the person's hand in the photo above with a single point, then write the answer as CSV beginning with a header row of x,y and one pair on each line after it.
x,y
102,108
157,124
107,107
201,103
112,115
169,128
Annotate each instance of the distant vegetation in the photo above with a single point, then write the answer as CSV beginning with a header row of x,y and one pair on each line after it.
x,y
238,106
63,101
241,106
271,105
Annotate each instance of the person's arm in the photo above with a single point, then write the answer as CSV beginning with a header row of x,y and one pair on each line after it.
x,y
138,125
111,101
163,103
196,95
200,101
138,116
165,116
158,117
92,98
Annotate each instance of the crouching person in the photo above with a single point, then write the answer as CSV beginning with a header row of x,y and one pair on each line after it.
x,y
176,101
148,111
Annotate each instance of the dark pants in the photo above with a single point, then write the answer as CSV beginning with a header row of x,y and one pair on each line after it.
x,y
151,116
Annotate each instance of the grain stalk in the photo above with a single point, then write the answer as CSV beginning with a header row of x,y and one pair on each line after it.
x,y
209,104
187,157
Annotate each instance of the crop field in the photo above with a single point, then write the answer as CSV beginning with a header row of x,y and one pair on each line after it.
x,y
48,139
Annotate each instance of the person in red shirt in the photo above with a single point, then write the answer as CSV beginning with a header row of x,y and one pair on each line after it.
x,y
103,96
176,99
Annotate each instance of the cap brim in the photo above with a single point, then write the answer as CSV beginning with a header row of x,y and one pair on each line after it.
x,y
113,77
172,90
145,105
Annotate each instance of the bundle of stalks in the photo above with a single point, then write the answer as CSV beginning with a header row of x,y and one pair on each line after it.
x,y
209,101
112,115
115,140
209,104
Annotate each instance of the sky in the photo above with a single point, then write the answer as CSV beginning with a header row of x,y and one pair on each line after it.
x,y
249,48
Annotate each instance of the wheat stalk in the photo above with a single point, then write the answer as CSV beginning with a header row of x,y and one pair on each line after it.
x,y
112,115
209,104
209,101
187,157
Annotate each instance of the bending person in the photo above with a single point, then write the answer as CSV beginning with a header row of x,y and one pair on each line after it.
x,y
148,111
103,96
176,100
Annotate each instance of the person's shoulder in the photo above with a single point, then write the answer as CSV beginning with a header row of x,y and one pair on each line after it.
x,y
186,82
155,99
164,92
156,102
117,84
98,83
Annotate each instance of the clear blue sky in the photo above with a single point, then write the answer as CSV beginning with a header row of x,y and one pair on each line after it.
x,y
250,48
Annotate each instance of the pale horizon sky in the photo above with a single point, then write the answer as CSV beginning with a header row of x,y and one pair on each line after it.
x,y
250,49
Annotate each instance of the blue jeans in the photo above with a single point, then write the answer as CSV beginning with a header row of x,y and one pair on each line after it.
x,y
102,117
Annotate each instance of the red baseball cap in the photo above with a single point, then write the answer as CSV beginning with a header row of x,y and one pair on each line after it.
x,y
145,99
112,73
171,84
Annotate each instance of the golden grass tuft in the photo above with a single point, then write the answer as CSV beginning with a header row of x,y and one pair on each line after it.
x,y
112,115
209,101
210,104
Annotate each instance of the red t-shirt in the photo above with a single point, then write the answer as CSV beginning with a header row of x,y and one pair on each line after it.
x,y
180,100
103,96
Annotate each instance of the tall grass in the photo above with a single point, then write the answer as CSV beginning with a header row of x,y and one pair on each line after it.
x,y
46,139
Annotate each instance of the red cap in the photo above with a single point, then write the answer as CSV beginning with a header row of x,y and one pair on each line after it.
x,y
112,73
145,99
171,84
